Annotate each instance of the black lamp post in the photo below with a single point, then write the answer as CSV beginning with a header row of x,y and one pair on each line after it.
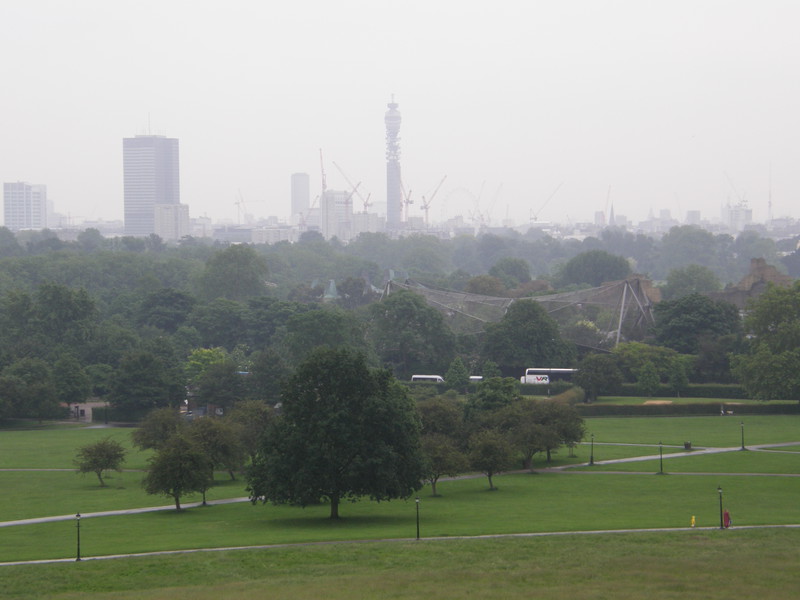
x,y
591,452
417,502
78,529
721,522
660,459
742,424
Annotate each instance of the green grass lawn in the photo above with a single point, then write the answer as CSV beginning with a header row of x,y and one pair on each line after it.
x,y
665,565
524,503
56,447
690,565
701,431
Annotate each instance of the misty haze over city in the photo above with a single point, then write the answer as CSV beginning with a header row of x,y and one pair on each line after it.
x,y
532,110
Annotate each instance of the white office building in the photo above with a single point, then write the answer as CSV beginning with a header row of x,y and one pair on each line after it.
x,y
24,206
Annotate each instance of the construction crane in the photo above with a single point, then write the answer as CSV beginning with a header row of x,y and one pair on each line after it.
x,y
240,207
535,215
426,202
322,170
349,198
407,201
367,203
354,188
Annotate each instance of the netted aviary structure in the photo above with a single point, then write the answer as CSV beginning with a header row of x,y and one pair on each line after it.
x,y
595,317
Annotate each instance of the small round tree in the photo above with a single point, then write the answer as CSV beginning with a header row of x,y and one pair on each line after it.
x,y
105,455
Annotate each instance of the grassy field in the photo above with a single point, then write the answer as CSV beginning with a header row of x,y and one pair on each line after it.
x,y
682,564
702,565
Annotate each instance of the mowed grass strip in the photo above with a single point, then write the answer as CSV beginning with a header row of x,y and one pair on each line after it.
x,y
720,432
524,503
56,447
708,565
37,494
737,461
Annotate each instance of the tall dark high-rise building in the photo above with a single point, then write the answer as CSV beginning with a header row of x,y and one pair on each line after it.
x,y
152,183
394,187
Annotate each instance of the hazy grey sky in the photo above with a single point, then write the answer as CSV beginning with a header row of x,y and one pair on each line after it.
x,y
679,104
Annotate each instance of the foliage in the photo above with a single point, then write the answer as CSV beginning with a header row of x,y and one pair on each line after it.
x,y
691,279
344,432
594,268
329,326
236,273
251,420
513,272
678,380
457,376
166,309
633,355
599,374
681,323
70,380
492,394
178,468
409,335
490,453
772,368
220,441
526,336
100,456
27,390
141,383
157,428
443,457
647,379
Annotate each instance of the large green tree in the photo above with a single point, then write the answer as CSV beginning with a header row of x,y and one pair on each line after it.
x,y
178,468
599,374
345,432
411,336
691,279
593,268
525,337
771,369
681,323
237,273
142,382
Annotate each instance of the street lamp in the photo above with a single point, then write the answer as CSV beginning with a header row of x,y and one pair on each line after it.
x,y
660,459
78,529
591,452
721,522
742,424
417,502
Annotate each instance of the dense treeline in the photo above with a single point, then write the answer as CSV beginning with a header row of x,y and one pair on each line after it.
x,y
143,324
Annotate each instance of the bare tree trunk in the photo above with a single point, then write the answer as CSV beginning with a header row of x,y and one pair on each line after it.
x,y
491,485
100,477
334,506
433,486
177,502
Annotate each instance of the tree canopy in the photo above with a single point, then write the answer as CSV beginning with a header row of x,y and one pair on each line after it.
x,y
344,432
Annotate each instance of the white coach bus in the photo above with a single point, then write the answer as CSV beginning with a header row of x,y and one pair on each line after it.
x,y
544,376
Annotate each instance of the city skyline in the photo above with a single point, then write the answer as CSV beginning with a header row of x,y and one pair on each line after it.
x,y
532,111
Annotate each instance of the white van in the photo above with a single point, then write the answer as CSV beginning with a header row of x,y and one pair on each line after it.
x,y
428,378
